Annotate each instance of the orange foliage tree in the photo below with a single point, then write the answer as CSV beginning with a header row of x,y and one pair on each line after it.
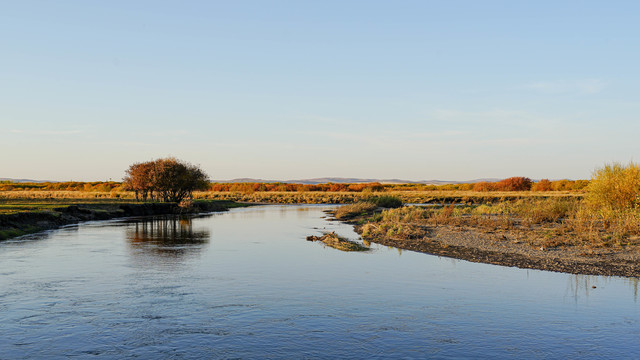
x,y
168,179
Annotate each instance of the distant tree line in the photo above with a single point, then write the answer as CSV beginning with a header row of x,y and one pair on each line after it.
x,y
167,179
510,184
526,184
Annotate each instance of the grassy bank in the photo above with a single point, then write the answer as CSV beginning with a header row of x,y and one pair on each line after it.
x,y
607,216
563,234
9,205
25,216
541,223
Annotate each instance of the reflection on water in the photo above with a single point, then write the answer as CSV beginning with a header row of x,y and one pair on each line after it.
x,y
582,285
167,236
634,283
578,285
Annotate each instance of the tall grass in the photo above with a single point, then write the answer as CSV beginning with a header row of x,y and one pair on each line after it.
x,y
544,223
351,211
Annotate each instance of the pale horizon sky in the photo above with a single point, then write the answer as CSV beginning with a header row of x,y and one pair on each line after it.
x,y
415,90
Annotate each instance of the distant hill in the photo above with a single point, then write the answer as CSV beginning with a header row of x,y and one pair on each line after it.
x,y
339,180
25,180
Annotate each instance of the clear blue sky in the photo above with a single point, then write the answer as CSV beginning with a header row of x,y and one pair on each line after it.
x,y
415,90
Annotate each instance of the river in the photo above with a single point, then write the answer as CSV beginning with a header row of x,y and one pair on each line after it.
x,y
246,284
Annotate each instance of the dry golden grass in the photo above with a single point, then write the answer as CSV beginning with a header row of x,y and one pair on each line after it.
x,y
408,197
350,211
541,222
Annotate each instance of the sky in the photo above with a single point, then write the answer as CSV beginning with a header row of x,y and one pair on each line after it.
x,y
416,90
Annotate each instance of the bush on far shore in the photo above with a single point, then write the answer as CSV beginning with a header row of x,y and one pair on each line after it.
x,y
615,187
386,201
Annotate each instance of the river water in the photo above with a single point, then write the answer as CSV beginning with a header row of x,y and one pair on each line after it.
x,y
246,284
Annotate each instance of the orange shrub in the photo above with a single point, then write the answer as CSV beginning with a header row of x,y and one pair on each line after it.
x,y
514,184
542,185
561,185
484,186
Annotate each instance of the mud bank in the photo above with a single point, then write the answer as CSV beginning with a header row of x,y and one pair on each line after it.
x,y
498,249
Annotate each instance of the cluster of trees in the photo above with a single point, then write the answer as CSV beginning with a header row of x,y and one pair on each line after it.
x,y
167,179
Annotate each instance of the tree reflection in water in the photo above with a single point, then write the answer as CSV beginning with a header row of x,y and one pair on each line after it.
x,y
167,237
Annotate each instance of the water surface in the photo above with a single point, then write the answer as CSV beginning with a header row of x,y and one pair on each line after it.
x,y
246,284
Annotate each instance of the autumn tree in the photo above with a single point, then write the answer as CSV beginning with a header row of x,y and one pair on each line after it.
x,y
175,180
139,179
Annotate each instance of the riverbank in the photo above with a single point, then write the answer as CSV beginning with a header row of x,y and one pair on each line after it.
x,y
500,249
27,222
552,243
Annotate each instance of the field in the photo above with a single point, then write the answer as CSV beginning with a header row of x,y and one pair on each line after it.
x,y
26,201
23,200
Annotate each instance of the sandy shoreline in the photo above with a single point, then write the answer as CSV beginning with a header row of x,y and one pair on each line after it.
x,y
501,249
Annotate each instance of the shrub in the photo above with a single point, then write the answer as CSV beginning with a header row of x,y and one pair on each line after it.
x,y
538,211
580,184
615,186
386,201
517,183
484,186
561,185
542,185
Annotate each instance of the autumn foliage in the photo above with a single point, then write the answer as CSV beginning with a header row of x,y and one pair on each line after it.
x,y
514,184
542,185
143,187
